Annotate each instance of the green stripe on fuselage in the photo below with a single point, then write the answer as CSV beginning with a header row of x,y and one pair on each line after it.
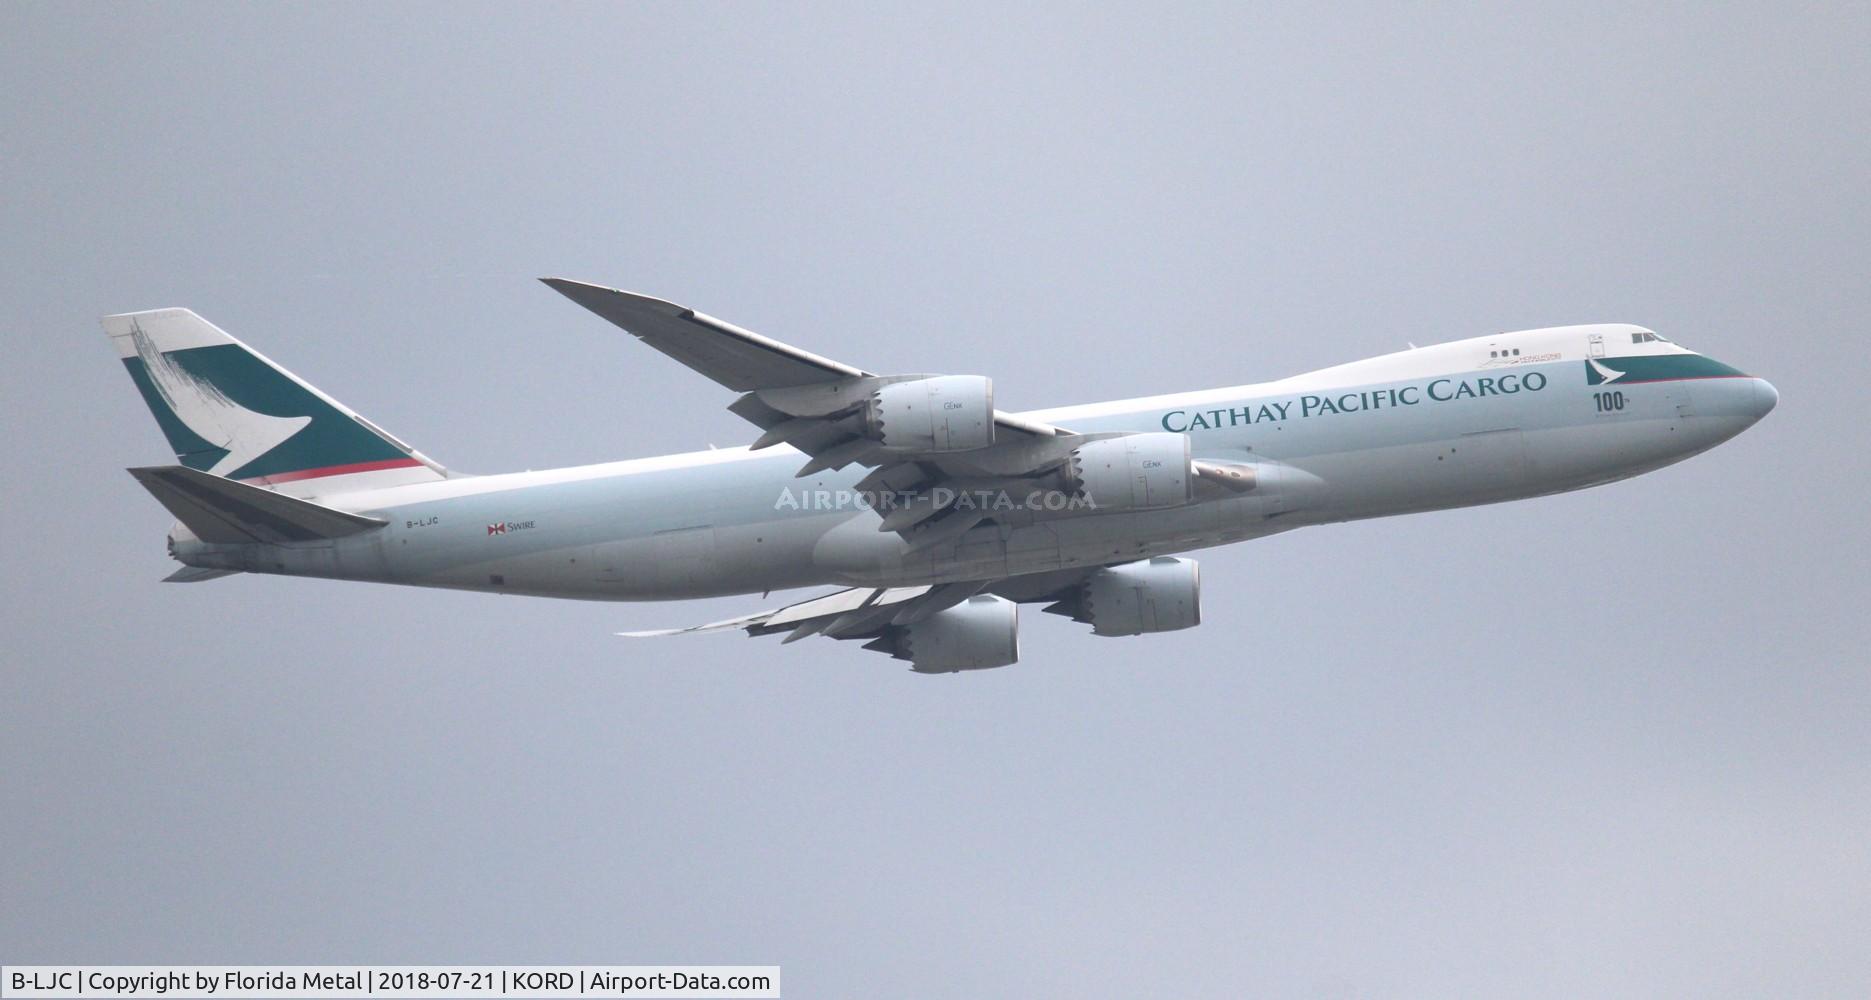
x,y
1658,368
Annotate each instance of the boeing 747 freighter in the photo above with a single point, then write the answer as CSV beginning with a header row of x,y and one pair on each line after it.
x,y
935,514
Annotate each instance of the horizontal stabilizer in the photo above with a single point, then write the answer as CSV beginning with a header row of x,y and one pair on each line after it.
x,y
223,511
196,574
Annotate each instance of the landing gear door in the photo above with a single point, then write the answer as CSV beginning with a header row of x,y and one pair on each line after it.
x,y
671,562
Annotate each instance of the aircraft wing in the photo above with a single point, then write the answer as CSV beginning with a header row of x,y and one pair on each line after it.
x,y
828,411
877,614
738,359
856,610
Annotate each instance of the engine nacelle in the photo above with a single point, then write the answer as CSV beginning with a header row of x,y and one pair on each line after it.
x,y
944,413
1156,595
1134,472
977,634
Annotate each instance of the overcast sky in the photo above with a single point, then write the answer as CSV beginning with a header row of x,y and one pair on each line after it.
x,y
1614,743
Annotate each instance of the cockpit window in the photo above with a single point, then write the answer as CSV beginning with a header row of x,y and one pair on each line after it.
x,y
1646,337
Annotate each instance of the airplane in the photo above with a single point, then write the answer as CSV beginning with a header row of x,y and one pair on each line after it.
x,y
934,513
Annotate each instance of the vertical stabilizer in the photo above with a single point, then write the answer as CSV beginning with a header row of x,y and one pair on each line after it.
x,y
230,412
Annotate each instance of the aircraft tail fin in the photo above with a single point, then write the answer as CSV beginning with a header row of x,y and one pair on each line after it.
x,y
224,511
229,411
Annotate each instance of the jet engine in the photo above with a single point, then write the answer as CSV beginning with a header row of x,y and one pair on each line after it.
x,y
977,634
1155,595
1134,472
939,414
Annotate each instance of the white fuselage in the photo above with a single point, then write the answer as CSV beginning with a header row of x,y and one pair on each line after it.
x,y
1470,422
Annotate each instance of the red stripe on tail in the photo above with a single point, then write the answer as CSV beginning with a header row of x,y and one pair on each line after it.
x,y
333,470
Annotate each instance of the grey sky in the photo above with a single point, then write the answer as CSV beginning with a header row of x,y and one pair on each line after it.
x,y
1616,743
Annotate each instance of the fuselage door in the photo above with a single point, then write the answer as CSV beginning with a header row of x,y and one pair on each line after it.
x,y
1597,345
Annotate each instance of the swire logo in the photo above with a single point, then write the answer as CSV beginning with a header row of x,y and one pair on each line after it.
x,y
506,526
496,529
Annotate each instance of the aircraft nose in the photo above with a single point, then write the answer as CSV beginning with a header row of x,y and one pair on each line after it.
x,y
1766,397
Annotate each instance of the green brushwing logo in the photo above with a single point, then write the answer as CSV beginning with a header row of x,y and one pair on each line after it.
x,y
227,412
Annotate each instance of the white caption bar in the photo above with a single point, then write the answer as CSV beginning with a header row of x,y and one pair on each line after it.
x,y
390,981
